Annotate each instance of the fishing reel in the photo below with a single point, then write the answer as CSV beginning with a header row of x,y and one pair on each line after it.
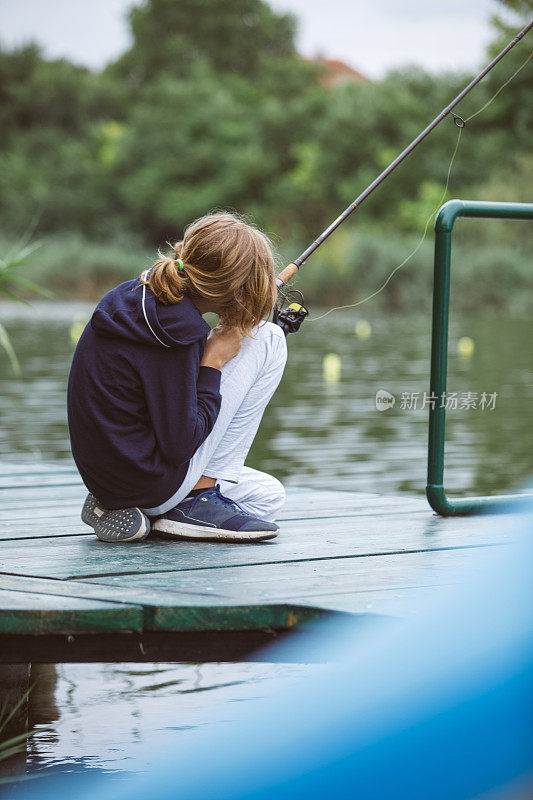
x,y
290,318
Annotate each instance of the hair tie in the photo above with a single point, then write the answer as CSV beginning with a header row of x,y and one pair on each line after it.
x,y
179,262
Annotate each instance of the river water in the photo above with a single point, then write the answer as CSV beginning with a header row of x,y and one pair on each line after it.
x,y
321,430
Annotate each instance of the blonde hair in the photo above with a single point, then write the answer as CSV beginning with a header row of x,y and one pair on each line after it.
x,y
225,261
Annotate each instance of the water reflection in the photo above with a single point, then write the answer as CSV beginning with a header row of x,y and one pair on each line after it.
x,y
319,432
109,714
316,432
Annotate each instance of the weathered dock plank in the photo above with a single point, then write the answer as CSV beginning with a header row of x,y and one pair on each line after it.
x,y
338,552
46,506
163,609
16,507
28,612
15,475
84,556
303,581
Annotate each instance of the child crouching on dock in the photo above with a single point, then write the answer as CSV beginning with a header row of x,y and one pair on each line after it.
x,y
162,413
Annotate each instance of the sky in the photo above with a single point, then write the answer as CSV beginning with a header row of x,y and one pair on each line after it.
x,y
370,36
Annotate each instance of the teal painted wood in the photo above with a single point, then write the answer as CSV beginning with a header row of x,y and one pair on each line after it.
x,y
56,510
27,612
87,591
167,609
84,556
337,552
36,467
41,511
14,475
404,601
297,499
304,582
71,525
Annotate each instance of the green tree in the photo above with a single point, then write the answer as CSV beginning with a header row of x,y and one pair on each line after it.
x,y
55,124
193,147
211,107
232,35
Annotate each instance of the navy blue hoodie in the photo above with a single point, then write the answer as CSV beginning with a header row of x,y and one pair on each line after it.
x,y
139,403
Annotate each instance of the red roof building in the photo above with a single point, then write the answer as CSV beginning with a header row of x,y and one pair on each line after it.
x,y
337,72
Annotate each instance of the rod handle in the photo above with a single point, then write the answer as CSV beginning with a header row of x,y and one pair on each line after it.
x,y
287,274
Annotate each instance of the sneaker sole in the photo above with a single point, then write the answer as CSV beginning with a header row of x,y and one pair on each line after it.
x,y
180,530
91,518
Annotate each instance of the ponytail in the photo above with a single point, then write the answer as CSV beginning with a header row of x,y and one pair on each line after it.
x,y
224,261
168,277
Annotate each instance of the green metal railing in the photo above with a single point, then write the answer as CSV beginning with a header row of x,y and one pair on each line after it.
x,y
446,217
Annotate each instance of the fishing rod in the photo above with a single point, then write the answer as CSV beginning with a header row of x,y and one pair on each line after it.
x,y
292,317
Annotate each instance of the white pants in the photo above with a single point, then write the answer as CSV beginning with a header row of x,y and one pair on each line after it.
x,y
248,382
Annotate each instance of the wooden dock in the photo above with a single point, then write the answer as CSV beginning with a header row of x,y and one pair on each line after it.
x,y
65,596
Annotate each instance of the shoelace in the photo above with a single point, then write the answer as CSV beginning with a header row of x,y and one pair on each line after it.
x,y
219,499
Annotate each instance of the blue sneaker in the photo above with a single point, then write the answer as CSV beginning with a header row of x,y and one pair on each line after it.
x,y
210,515
122,525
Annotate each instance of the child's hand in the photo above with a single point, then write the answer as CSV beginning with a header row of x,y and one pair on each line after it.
x,y
223,344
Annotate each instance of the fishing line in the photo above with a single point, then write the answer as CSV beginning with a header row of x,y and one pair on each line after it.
x,y
411,254
460,122
487,104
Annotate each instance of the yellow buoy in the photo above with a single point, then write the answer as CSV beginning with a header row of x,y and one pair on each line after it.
x,y
76,329
465,347
331,367
363,329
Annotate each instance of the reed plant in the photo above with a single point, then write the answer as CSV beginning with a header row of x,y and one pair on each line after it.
x,y
14,745
14,286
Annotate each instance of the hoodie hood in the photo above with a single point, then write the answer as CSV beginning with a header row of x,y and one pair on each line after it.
x,y
130,311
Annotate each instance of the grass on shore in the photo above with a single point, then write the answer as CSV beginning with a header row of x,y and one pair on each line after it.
x,y
487,274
